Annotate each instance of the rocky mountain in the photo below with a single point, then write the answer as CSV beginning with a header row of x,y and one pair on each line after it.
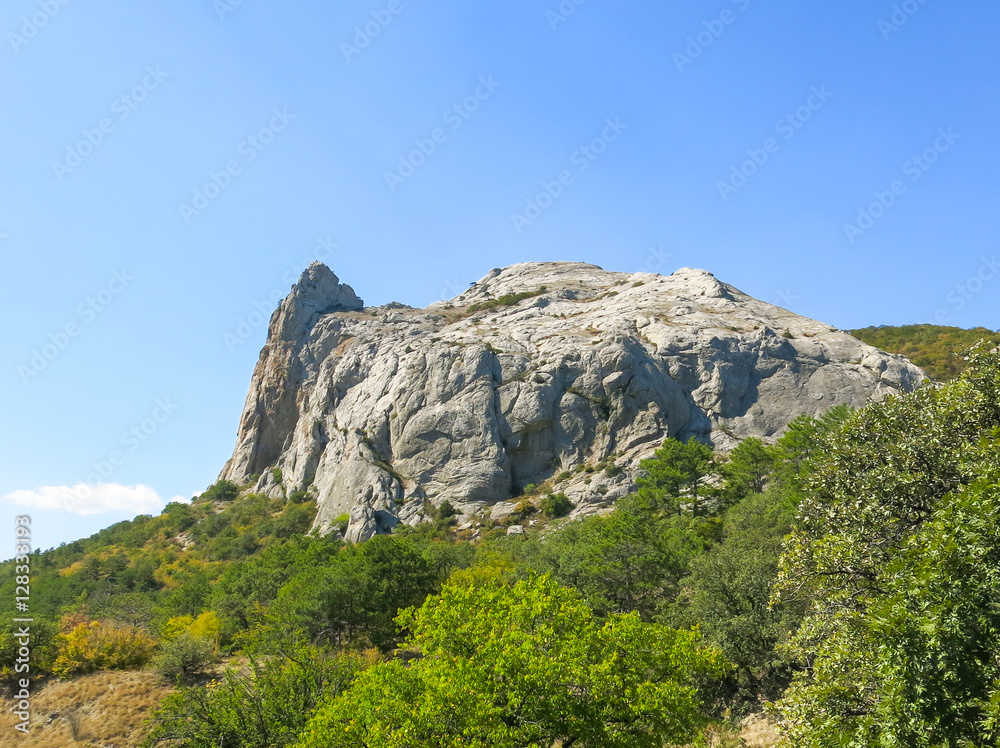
x,y
535,370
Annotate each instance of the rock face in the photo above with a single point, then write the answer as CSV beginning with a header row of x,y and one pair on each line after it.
x,y
536,369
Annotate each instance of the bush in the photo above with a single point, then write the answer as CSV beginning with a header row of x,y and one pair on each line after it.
x,y
184,658
43,636
206,626
224,490
524,510
509,299
100,645
556,505
295,520
265,704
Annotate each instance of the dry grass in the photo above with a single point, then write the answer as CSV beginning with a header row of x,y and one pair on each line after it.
x,y
757,731
106,709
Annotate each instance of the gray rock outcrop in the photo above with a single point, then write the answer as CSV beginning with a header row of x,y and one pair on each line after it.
x,y
535,370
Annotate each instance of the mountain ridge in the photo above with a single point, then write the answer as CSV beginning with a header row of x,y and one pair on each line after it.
x,y
382,413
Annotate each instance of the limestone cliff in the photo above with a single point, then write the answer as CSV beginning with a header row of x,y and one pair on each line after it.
x,y
537,368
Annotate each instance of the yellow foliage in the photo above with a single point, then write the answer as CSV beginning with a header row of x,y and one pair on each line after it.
x,y
101,645
176,626
71,569
206,626
171,574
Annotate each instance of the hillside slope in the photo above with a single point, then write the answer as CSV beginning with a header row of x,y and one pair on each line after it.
x,y
937,350
93,711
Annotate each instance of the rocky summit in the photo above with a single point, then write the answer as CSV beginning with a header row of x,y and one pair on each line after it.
x,y
539,368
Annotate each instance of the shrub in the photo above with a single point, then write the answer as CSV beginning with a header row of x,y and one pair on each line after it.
x,y
506,300
295,520
224,490
101,645
556,505
265,704
43,643
184,658
524,510
206,626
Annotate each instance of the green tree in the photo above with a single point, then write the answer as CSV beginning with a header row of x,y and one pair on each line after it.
x,y
44,643
244,590
190,597
524,665
894,552
747,470
728,595
805,439
630,560
354,599
675,476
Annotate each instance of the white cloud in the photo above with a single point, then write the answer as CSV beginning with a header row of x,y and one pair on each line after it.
x,y
85,500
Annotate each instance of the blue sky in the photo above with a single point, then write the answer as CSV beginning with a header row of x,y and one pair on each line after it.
x,y
168,168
